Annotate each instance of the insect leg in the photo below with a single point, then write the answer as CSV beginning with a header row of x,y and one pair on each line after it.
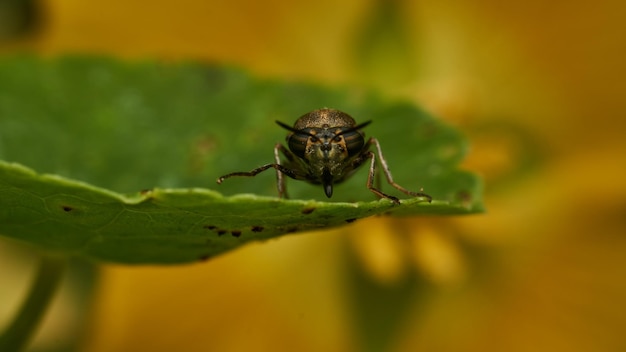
x,y
281,170
280,179
289,172
390,180
372,175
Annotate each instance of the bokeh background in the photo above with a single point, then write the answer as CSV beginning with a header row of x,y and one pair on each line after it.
x,y
538,87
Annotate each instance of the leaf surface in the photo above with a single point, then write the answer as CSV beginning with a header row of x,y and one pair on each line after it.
x,y
99,131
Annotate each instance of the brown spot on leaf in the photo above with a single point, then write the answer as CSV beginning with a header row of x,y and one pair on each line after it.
x,y
67,208
221,232
464,196
350,220
257,228
307,211
204,257
235,233
209,227
200,151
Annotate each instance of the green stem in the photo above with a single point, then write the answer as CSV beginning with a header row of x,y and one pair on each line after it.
x,y
49,275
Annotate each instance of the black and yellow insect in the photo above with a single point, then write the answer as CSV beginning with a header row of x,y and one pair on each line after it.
x,y
326,146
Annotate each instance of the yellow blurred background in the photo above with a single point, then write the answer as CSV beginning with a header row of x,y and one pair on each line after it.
x,y
537,87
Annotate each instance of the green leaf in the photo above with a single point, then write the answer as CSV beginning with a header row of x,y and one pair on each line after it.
x,y
171,130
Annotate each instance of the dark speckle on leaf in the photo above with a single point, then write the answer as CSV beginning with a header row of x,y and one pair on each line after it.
x,y
307,211
67,208
235,233
209,227
350,220
221,232
292,229
257,228
464,196
204,257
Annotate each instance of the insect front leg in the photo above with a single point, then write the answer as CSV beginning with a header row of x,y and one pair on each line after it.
x,y
258,170
281,170
280,178
388,175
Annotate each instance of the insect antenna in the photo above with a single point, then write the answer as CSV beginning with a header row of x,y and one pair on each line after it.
x,y
357,127
289,128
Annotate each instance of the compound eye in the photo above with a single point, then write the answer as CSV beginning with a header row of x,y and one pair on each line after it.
x,y
297,143
354,142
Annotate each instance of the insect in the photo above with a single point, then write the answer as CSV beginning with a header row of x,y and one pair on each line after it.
x,y
326,146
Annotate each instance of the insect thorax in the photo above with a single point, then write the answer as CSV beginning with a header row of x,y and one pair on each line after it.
x,y
321,117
